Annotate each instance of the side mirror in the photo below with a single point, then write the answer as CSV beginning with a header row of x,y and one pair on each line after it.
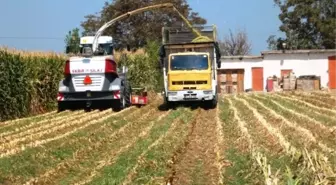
x,y
162,52
219,64
161,61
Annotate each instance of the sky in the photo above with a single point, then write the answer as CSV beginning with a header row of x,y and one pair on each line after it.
x,y
42,24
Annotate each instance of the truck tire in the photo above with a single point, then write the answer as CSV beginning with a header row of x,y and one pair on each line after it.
x,y
212,104
215,101
169,104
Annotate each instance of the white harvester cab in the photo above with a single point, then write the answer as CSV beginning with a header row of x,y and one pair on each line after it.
x,y
94,78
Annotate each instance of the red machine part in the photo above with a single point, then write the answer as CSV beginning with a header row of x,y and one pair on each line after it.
x,y
139,100
139,96
60,96
116,94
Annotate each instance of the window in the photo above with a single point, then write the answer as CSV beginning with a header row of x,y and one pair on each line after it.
x,y
103,49
189,62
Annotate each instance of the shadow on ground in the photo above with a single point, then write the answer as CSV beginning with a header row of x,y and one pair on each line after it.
x,y
191,105
98,105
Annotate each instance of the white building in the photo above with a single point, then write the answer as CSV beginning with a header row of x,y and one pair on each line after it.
x,y
251,72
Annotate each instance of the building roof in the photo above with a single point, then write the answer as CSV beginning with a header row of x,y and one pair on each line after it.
x,y
298,51
241,57
278,52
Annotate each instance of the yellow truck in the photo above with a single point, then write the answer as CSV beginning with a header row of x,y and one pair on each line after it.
x,y
189,68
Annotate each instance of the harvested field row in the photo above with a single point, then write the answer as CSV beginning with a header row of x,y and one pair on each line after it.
x,y
248,139
8,123
304,161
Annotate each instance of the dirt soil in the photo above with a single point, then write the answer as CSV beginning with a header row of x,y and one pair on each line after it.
x,y
196,163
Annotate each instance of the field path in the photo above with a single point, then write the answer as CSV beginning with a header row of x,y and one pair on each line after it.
x,y
198,164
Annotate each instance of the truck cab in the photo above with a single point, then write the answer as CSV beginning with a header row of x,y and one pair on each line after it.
x,y
189,69
93,78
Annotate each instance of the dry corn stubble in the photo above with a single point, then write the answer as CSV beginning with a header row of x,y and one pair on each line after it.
x,y
259,158
35,127
304,101
152,167
179,151
113,156
219,146
25,125
92,122
263,138
152,105
61,167
101,118
199,161
284,143
324,94
314,101
328,100
319,117
34,135
4,126
303,116
98,146
241,124
129,177
317,109
15,121
307,134
319,166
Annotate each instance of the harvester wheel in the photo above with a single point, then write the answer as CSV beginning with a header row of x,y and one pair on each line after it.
x,y
60,107
125,99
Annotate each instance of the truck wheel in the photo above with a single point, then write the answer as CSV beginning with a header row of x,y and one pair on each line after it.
x,y
214,102
168,104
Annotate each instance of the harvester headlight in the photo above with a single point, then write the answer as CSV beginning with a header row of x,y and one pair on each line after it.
x,y
207,92
172,93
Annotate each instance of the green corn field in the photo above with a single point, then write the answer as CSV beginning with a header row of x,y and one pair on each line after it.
x,y
29,80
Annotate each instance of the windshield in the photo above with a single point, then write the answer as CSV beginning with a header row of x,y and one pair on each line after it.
x,y
189,62
103,49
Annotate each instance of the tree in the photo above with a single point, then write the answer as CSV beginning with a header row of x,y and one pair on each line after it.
x,y
72,40
137,29
308,24
234,45
275,43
